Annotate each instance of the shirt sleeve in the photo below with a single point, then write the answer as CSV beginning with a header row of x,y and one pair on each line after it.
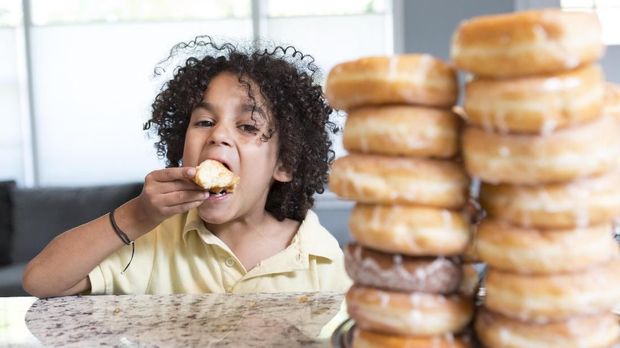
x,y
107,278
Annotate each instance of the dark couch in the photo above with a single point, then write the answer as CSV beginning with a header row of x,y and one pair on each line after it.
x,y
31,218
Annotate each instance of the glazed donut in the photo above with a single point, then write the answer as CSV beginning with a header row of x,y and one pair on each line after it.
x,y
410,230
612,100
527,43
402,130
408,314
418,79
369,339
535,104
398,272
394,180
567,154
496,330
553,297
531,251
580,203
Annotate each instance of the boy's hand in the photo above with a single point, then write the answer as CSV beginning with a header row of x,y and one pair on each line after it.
x,y
168,192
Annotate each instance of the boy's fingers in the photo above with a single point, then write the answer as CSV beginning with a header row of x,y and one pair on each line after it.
x,y
179,185
182,197
190,172
171,174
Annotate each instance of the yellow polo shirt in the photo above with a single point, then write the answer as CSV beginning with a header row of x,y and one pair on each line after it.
x,y
182,256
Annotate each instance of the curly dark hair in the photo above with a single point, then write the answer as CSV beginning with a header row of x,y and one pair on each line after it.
x,y
286,79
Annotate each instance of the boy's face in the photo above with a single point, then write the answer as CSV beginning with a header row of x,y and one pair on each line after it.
x,y
223,128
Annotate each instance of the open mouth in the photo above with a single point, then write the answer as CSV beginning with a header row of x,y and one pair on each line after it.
x,y
218,193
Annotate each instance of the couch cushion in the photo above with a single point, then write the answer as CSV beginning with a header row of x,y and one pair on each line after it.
x,y
11,280
6,221
40,214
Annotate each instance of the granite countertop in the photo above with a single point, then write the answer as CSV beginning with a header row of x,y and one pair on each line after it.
x,y
210,320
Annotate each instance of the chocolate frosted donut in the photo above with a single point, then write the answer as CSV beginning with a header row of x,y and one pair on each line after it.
x,y
402,273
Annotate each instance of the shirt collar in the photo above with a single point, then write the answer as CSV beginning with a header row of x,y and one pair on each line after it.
x,y
311,238
315,240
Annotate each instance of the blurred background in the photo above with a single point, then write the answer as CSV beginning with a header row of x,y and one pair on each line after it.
x,y
76,76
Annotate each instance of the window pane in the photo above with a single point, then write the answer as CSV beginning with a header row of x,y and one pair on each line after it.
x,y
576,4
608,13
46,12
332,40
290,8
90,124
10,13
10,109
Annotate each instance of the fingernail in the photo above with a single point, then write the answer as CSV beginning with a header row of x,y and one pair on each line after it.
x,y
191,171
206,194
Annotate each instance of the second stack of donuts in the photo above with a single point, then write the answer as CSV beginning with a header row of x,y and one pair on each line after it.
x,y
547,155
408,222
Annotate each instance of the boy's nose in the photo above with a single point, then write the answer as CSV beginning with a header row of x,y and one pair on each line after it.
x,y
220,135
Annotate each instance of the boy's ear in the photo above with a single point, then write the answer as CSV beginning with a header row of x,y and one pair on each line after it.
x,y
282,174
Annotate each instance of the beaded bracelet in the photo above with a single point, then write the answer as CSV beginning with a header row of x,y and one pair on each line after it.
x,y
123,236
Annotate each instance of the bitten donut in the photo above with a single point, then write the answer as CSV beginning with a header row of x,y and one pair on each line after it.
x,y
418,79
402,130
369,339
527,43
584,202
535,104
410,230
394,180
496,330
398,272
553,297
567,154
530,251
408,314
612,100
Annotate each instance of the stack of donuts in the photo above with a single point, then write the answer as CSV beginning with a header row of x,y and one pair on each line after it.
x,y
408,224
547,155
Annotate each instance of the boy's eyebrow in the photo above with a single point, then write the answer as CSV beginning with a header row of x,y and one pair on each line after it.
x,y
205,105
246,107
253,107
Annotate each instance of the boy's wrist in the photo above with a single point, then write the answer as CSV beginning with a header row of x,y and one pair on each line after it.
x,y
133,219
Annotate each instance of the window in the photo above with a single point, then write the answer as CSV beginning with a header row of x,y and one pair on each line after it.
x,y
332,32
46,12
608,12
92,68
91,71
12,110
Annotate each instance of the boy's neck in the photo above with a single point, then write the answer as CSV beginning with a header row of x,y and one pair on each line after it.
x,y
257,237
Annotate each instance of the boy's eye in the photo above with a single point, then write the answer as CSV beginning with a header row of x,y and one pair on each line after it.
x,y
248,128
204,123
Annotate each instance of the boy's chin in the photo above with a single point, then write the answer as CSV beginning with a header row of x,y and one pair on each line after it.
x,y
215,216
